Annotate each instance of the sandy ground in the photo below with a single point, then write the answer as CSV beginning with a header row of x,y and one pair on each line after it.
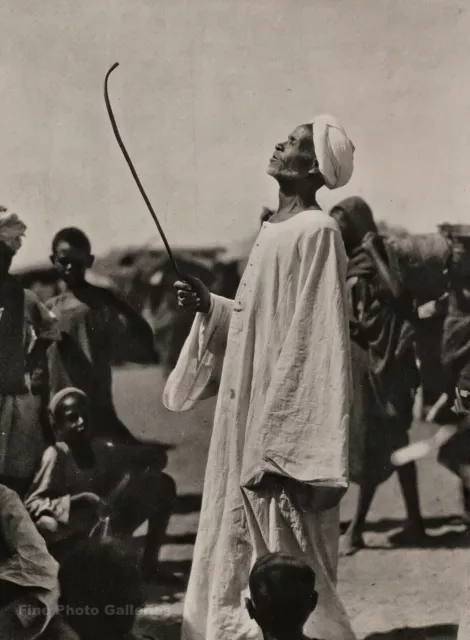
x,y
391,594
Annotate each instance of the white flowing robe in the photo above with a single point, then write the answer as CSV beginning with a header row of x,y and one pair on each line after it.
x,y
283,408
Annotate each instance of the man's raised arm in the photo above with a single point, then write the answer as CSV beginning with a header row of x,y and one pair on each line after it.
x,y
200,361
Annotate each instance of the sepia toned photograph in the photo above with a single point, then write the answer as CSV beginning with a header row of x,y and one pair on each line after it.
x,y
235,320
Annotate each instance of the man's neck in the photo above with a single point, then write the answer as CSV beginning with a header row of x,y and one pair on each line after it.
x,y
294,198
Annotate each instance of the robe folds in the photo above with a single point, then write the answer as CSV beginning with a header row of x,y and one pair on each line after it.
x,y
280,435
26,562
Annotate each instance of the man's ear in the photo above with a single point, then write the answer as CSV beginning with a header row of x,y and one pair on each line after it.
x,y
315,168
90,261
250,608
52,259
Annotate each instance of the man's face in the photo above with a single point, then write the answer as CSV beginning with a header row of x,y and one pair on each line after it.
x,y
71,419
71,263
294,158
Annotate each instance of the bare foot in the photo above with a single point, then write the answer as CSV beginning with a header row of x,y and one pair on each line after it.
x,y
350,544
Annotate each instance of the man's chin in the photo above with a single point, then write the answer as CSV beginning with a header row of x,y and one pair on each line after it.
x,y
272,170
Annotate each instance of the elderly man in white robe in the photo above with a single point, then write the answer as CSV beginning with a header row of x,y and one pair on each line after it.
x,y
278,459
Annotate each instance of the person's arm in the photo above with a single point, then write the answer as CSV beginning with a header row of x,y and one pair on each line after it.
x,y
38,500
199,365
216,312
389,280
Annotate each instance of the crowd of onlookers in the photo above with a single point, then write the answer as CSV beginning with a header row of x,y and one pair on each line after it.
x,y
75,484
73,479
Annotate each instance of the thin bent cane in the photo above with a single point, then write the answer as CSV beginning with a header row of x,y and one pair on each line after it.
x,y
134,172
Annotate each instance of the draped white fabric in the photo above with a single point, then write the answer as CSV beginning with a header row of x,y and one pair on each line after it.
x,y
283,409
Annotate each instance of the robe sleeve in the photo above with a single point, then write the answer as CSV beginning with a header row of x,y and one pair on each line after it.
x,y
201,358
304,423
38,501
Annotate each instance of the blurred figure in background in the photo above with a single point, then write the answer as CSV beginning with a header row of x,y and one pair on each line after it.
x,y
454,404
27,329
385,372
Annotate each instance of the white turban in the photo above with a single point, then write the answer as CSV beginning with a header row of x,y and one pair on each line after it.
x,y
12,230
334,151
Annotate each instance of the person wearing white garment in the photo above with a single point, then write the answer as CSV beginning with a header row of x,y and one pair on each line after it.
x,y
278,461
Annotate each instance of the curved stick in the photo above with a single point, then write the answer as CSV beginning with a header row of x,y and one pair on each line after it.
x,y
134,172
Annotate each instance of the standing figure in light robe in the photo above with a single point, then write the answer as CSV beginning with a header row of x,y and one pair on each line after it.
x,y
278,460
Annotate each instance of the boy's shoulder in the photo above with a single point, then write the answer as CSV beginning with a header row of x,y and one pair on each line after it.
x,y
54,451
90,297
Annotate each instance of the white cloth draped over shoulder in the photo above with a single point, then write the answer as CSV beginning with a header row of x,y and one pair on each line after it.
x,y
282,350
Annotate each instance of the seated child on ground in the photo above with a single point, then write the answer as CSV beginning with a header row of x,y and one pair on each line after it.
x,y
76,478
283,596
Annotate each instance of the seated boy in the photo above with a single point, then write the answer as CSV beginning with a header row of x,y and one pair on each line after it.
x,y
96,329
283,596
67,497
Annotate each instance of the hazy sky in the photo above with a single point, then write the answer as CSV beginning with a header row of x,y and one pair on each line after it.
x,y
205,89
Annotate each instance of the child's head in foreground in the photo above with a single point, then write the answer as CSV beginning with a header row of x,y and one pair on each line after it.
x,y
282,594
68,412
72,255
103,579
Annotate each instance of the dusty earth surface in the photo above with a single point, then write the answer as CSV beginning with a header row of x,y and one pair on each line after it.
x,y
390,594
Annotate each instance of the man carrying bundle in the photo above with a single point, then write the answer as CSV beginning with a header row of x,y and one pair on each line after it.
x,y
278,463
